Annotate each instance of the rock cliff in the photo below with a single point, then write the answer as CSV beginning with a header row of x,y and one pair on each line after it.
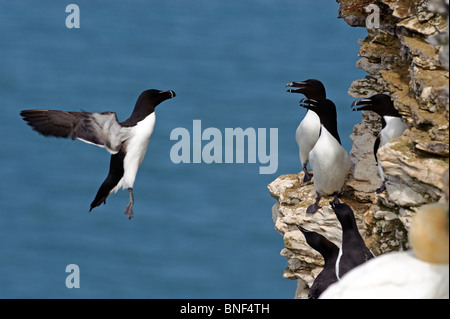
x,y
405,56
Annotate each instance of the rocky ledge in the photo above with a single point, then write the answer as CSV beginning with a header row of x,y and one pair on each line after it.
x,y
405,56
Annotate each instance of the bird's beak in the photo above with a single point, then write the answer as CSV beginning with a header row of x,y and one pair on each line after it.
x,y
303,230
170,94
362,105
299,85
308,103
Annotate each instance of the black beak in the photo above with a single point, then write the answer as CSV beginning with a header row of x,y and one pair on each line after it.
x,y
308,103
170,94
363,105
303,230
299,85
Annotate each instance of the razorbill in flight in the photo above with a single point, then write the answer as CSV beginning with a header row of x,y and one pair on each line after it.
x,y
127,141
353,251
419,273
328,159
391,122
307,132
329,252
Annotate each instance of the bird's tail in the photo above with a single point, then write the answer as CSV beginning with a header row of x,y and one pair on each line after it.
x,y
115,174
101,196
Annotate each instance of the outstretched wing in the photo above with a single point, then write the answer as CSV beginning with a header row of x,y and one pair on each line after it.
x,y
100,129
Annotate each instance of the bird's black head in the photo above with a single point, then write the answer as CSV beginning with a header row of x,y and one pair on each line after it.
x,y
379,103
318,242
146,104
324,108
312,89
153,98
312,238
344,214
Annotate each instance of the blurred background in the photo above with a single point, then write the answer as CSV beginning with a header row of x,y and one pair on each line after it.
x,y
199,231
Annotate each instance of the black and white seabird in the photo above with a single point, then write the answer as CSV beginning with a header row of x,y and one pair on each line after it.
x,y
307,132
127,141
391,122
353,251
328,159
419,273
329,252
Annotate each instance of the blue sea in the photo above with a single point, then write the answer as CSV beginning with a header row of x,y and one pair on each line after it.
x,y
200,230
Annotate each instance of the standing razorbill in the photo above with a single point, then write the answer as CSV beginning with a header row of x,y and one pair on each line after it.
x,y
328,159
419,273
329,252
353,251
307,132
127,141
391,122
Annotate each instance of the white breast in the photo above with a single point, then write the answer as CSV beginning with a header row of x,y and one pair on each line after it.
x,y
330,163
393,129
136,147
307,135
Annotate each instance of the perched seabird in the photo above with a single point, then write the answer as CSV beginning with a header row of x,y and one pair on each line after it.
x,y
328,159
307,132
391,122
127,141
353,251
419,273
329,252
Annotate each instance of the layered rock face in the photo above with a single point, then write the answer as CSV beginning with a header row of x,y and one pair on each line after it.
x,y
405,56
